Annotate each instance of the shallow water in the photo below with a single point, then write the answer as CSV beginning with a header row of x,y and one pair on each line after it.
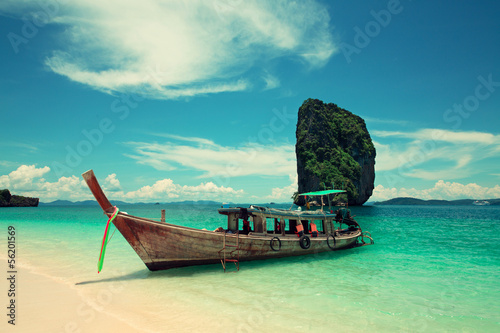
x,y
431,269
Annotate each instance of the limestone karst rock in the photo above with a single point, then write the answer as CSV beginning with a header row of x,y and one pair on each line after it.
x,y
334,146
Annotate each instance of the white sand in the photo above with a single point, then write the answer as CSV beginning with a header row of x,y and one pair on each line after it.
x,y
46,305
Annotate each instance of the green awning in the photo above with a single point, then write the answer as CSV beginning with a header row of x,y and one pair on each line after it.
x,y
323,192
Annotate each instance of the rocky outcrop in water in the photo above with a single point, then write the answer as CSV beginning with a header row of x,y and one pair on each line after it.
x,y
334,147
8,200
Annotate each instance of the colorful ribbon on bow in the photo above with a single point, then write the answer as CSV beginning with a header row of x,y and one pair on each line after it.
x,y
105,241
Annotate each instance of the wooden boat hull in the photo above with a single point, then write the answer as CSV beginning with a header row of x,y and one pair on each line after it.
x,y
162,245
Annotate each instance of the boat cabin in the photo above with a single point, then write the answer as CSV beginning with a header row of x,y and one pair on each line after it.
x,y
262,221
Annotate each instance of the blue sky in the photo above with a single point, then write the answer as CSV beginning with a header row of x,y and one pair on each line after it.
x,y
175,100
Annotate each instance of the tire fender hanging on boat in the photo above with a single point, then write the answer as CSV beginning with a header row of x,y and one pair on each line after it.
x,y
279,243
305,242
329,243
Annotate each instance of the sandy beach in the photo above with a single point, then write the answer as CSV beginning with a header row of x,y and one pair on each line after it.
x,y
44,304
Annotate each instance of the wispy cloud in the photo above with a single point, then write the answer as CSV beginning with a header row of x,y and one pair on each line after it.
x,y
272,82
451,153
385,121
427,134
8,164
169,49
25,146
200,141
216,160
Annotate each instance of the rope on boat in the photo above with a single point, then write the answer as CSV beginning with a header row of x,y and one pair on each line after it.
x,y
105,240
109,240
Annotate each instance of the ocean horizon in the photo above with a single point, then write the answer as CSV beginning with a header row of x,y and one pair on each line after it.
x,y
417,201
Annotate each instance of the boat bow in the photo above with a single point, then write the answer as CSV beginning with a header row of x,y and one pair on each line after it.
x,y
96,190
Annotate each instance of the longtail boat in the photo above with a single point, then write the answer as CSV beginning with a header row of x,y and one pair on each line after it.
x,y
252,233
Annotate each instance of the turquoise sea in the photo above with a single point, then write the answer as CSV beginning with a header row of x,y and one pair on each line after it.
x,y
432,269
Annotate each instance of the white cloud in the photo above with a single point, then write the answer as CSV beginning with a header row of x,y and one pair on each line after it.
x,y
162,188
451,152
111,183
442,190
27,180
168,49
215,160
209,187
285,193
66,188
165,189
22,178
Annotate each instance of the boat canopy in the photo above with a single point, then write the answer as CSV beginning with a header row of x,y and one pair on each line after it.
x,y
325,192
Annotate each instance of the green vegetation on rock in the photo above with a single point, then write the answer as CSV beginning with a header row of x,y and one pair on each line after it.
x,y
334,147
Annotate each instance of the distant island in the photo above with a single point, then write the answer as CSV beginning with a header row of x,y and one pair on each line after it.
x,y
420,202
8,200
